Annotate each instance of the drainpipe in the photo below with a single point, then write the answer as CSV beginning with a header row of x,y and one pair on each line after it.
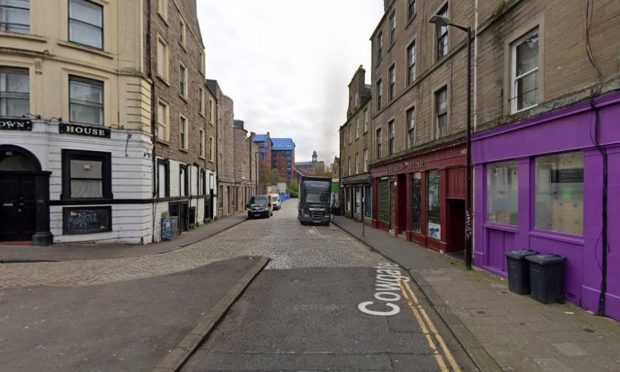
x,y
149,68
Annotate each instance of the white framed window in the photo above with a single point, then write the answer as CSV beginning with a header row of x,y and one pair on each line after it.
x,y
162,8
86,23
14,91
182,33
441,112
365,120
163,58
85,100
524,72
202,144
183,79
163,121
365,160
183,132
211,149
201,101
410,117
357,127
15,16
411,63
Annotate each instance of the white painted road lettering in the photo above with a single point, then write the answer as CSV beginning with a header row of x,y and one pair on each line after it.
x,y
387,291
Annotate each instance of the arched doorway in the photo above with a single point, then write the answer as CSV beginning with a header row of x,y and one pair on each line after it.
x,y
24,196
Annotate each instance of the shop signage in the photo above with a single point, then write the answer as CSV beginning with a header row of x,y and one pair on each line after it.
x,y
83,130
15,124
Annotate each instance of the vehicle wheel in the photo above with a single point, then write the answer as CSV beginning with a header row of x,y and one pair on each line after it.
x,y
249,216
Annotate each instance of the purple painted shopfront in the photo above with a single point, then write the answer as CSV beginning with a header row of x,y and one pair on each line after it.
x,y
539,185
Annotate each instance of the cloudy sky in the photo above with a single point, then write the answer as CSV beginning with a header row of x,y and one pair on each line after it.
x,y
287,63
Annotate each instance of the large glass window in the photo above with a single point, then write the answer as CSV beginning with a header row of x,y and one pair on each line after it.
x,y
416,202
15,16
502,192
85,101
434,205
14,91
559,193
86,23
525,73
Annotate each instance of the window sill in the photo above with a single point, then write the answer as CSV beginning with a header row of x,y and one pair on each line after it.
x,y
410,20
183,150
499,226
201,114
517,112
184,98
162,142
18,35
87,49
163,79
202,157
163,19
559,236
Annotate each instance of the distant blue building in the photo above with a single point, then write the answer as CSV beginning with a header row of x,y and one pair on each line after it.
x,y
283,158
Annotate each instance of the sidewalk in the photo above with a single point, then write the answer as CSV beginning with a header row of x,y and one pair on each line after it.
x,y
516,332
97,251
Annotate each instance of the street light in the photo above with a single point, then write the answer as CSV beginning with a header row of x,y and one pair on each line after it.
x,y
445,22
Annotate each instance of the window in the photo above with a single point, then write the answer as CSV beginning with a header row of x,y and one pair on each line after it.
x,y
365,121
357,127
163,121
411,9
15,16
379,94
350,133
357,163
163,178
416,202
378,143
379,46
183,132
201,145
183,184
410,116
211,112
367,201
211,149
86,175
182,80
525,73
162,8
162,59
86,23
365,160
14,92
441,112
85,101
559,193
201,101
410,63
393,27
202,63
442,35
433,210
391,138
349,167
182,33
502,187
392,82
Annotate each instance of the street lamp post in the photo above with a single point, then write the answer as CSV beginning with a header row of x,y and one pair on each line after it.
x,y
443,21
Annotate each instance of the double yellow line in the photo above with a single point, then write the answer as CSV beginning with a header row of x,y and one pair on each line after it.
x,y
430,331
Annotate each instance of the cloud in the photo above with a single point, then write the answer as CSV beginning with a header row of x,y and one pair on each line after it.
x,y
287,63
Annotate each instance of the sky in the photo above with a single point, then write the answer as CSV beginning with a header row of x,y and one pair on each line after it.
x,y
287,64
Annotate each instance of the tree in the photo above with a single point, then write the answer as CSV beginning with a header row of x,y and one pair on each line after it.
x,y
293,188
265,173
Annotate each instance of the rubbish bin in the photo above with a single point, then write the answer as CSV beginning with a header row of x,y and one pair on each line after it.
x,y
518,270
547,277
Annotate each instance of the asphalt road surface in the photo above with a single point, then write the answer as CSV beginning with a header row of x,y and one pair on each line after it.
x,y
325,302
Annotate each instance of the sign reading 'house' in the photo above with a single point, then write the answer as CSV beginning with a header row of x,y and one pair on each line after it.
x,y
83,130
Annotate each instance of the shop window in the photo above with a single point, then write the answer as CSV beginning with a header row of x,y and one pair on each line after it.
x,y
559,193
86,175
183,184
358,200
384,207
368,202
502,192
434,205
86,23
15,16
14,92
85,101
416,202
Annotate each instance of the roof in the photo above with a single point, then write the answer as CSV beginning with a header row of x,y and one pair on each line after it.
x,y
260,138
282,144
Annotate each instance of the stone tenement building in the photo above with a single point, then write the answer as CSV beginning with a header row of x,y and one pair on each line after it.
x,y
355,149
245,167
545,149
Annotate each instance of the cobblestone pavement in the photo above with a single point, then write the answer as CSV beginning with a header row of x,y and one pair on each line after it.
x,y
256,237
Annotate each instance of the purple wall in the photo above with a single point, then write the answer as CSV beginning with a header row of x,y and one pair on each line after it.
x,y
567,129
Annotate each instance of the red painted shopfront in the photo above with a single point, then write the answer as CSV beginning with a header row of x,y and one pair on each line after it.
x,y
422,198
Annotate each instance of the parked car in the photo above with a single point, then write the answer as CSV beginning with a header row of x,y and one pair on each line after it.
x,y
260,205
275,200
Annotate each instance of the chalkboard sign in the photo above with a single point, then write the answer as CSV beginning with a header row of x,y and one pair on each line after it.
x,y
166,229
86,220
384,201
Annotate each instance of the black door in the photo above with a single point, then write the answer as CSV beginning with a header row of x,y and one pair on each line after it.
x,y
17,207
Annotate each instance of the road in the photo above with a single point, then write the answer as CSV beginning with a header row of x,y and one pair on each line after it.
x,y
325,302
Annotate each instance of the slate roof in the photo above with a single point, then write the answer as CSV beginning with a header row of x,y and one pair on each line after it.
x,y
282,144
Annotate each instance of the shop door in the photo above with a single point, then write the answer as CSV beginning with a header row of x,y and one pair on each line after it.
x,y
17,207
456,225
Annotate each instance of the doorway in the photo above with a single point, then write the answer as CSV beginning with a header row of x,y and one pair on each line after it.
x,y
456,225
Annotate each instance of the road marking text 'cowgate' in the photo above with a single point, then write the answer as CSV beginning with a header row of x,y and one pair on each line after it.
x,y
387,290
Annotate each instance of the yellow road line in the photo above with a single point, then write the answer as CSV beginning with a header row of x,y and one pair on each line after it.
x,y
428,328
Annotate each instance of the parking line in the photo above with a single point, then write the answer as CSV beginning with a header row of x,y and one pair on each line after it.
x,y
428,328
